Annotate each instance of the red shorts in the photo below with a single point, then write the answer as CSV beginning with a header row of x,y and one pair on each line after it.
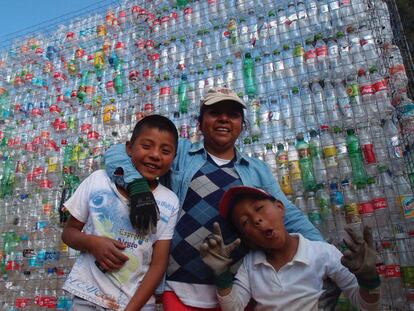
x,y
171,302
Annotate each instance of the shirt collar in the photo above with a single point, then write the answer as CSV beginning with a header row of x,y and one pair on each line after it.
x,y
300,256
199,147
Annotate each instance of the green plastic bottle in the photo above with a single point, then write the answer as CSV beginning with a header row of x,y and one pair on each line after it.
x,y
182,94
249,75
359,175
305,163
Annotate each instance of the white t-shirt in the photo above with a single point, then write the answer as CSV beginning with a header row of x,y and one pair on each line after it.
x,y
98,204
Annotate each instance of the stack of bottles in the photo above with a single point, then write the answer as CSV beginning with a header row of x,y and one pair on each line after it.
x,y
328,110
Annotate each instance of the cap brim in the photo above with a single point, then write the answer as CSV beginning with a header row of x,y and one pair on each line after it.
x,y
216,100
230,195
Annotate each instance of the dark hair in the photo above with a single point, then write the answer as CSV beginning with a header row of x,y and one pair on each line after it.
x,y
156,121
203,109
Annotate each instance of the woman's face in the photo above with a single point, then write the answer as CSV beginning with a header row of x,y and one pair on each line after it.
x,y
221,125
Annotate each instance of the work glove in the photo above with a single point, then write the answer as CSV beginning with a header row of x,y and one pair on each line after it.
x,y
215,253
360,257
144,213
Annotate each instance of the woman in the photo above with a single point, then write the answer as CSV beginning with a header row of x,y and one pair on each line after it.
x,y
201,173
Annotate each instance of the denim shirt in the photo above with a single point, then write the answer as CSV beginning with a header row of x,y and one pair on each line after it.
x,y
191,157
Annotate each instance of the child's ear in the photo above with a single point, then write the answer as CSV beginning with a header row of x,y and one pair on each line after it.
x,y
128,147
279,205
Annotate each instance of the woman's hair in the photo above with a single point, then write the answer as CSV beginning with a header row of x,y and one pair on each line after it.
x,y
156,121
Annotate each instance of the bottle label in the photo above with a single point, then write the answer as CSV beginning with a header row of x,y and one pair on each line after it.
x,y
331,162
352,90
397,69
352,213
329,151
380,85
379,203
366,208
282,158
366,89
311,54
22,302
52,164
285,184
294,170
392,271
369,154
322,51
380,267
408,276
407,205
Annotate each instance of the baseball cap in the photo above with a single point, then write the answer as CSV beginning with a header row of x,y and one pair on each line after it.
x,y
219,94
227,201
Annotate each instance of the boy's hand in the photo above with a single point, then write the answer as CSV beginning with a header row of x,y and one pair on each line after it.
x,y
108,253
215,254
360,257
144,213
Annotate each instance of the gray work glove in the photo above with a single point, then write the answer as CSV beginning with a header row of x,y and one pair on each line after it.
x,y
215,253
360,257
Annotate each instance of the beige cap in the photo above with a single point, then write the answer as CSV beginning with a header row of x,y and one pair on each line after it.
x,y
219,94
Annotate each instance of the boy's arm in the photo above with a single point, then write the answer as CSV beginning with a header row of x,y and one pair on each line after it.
x,y
115,157
153,277
106,251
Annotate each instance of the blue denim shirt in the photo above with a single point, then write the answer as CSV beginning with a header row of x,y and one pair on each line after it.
x,y
191,157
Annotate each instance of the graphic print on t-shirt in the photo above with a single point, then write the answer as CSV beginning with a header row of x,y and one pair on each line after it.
x,y
110,218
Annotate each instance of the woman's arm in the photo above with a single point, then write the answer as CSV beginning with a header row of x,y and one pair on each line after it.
x,y
108,252
153,277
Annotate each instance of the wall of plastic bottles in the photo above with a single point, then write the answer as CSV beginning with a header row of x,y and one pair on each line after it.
x,y
326,88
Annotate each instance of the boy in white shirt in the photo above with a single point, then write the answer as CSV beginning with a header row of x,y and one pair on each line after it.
x,y
285,271
121,265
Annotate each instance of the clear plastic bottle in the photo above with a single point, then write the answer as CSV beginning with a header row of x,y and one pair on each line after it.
x,y
317,158
351,206
381,211
338,210
331,99
329,152
313,211
308,107
344,103
297,111
393,276
294,167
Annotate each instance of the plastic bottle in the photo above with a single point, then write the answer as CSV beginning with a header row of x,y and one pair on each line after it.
x,y
331,99
308,107
381,211
300,202
294,167
317,158
352,89
394,144
348,66
366,210
319,103
322,55
393,276
276,119
328,221
297,111
344,103
382,96
351,206
359,175
367,95
329,152
305,163
283,170
314,213
311,60
338,209
249,75
270,159
287,117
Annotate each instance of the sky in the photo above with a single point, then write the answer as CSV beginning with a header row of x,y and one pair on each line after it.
x,y
19,17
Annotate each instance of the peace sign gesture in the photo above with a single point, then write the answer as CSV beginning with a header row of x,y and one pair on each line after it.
x,y
215,253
